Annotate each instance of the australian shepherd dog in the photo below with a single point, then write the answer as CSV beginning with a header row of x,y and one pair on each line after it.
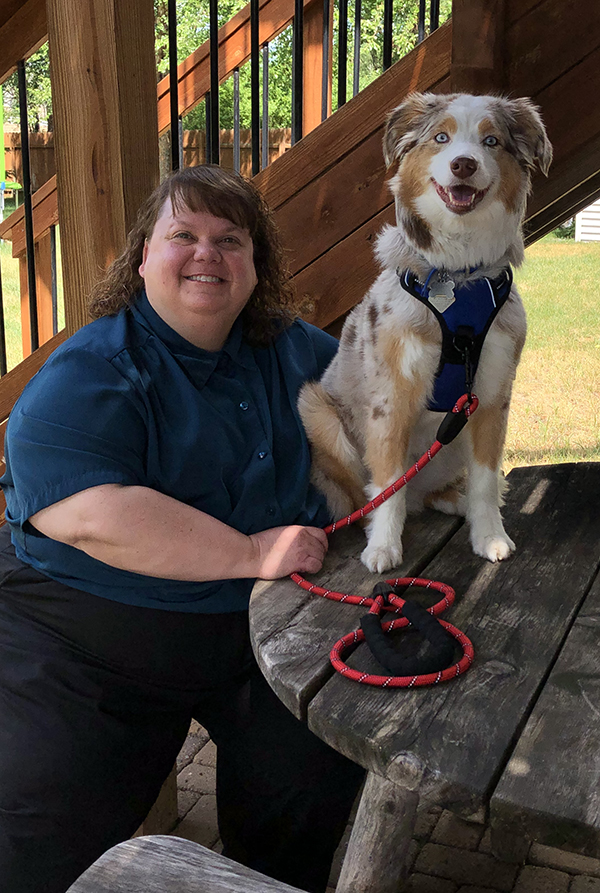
x,y
443,317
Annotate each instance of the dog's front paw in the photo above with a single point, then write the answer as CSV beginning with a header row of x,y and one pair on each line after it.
x,y
381,558
495,547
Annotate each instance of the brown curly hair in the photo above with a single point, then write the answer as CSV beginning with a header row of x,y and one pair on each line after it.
x,y
222,193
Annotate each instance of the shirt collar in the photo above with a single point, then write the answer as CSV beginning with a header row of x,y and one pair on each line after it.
x,y
198,361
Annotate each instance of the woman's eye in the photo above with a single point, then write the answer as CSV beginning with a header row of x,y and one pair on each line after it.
x,y
183,236
490,141
442,138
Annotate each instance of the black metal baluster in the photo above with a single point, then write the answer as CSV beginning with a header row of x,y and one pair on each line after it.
x,y
213,148
54,279
265,106
434,16
325,71
297,70
356,60
173,85
342,52
236,121
388,18
421,21
254,86
28,209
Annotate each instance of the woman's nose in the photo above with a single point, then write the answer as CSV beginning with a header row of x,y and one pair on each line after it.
x,y
207,250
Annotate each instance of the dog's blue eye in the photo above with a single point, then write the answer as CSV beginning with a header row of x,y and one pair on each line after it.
x,y
490,141
442,138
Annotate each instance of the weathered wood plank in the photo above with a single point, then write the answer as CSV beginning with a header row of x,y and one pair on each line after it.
x,y
516,612
293,632
171,865
549,790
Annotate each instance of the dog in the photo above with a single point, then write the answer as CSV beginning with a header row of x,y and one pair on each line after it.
x,y
464,166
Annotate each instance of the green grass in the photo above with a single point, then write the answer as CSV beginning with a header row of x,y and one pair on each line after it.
x,y
555,411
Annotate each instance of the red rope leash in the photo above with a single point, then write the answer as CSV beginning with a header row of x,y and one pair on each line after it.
x,y
449,428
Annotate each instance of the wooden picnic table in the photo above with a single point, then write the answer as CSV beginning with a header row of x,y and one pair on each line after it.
x,y
518,734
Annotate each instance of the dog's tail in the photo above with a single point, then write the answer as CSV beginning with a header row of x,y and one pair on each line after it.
x,y
337,469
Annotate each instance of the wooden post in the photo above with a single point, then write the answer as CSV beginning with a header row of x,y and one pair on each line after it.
x,y
478,32
376,858
43,282
313,65
104,90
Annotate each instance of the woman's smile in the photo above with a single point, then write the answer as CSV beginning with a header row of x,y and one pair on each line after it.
x,y
199,274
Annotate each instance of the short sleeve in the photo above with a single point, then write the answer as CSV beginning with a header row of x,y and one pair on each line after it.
x,y
79,423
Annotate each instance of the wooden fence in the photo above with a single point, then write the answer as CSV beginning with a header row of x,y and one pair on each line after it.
x,y
41,149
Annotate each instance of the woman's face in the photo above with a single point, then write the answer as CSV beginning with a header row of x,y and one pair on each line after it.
x,y
199,274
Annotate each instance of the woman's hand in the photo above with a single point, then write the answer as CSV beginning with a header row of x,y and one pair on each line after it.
x,y
283,550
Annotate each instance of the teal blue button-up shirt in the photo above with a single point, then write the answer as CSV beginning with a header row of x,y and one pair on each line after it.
x,y
127,400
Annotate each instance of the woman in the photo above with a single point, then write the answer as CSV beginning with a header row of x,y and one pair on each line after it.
x,y
154,468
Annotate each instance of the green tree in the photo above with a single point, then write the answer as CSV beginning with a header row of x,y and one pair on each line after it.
x,y
39,94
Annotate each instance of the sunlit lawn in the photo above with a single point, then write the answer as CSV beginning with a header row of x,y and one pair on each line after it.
x,y
555,413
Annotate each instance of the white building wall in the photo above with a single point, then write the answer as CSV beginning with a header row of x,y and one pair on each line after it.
x,y
587,224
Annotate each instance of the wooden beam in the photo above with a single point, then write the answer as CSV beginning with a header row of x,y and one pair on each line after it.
x,y
313,65
21,34
478,28
104,83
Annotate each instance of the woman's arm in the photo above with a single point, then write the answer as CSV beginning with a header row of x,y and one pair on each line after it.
x,y
138,529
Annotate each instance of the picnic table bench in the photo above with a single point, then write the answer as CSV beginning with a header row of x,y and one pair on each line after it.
x,y
518,734
161,864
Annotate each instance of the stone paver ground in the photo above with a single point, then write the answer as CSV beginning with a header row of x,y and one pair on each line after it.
x,y
447,854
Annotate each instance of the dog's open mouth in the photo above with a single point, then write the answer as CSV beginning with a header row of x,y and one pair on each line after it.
x,y
460,198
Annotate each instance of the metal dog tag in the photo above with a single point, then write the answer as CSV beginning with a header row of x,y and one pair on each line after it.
x,y
441,293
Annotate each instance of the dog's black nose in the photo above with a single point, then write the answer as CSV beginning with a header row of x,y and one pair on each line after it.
x,y
463,167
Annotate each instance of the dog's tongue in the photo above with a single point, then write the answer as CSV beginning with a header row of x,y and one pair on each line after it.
x,y
462,193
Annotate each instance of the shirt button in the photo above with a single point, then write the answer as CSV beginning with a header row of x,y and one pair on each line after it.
x,y
244,405
270,511
262,454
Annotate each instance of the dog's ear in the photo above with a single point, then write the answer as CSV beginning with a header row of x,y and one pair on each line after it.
x,y
405,122
528,134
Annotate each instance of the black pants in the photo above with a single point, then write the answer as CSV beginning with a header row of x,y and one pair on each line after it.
x,y
96,700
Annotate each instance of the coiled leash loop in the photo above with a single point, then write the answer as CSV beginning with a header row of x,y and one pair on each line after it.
x,y
434,666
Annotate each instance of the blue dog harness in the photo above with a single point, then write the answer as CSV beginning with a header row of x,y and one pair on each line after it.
x,y
465,315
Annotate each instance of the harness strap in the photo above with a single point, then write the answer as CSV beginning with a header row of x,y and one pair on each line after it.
x,y
477,302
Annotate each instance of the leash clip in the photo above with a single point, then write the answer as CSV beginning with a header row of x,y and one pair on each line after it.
x,y
455,420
